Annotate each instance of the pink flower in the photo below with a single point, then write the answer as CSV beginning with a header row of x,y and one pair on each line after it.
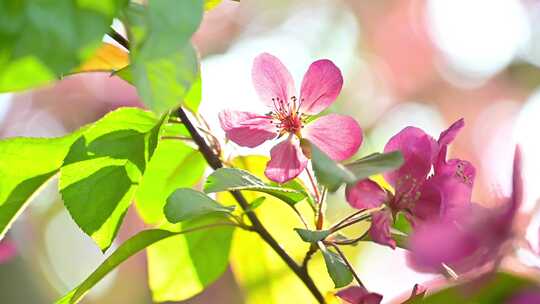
x,y
470,240
418,195
358,295
338,136
7,250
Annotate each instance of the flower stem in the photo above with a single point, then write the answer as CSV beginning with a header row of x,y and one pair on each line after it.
x,y
213,161
320,211
314,185
118,38
351,220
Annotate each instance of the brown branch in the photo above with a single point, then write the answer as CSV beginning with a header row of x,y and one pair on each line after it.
x,y
213,160
118,38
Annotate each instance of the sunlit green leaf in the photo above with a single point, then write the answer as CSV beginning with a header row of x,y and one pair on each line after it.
x,y
312,236
337,269
182,266
227,179
26,165
164,64
96,193
375,163
129,248
184,204
101,172
41,40
256,203
329,173
174,165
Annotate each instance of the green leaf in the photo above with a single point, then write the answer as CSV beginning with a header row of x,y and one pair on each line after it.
x,y
164,63
174,165
329,173
256,203
185,204
182,266
402,224
229,179
124,73
375,163
97,193
101,172
337,269
312,236
28,29
495,288
129,248
21,176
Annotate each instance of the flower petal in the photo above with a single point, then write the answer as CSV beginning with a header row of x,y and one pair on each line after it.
x,y
418,149
455,181
365,194
380,229
339,136
437,242
359,295
448,135
448,193
428,206
272,80
245,128
286,161
320,86
445,139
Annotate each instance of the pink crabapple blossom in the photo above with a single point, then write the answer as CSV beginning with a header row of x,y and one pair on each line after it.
x,y
339,136
419,195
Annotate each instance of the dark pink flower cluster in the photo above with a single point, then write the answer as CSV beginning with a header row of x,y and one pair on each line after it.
x,y
474,239
421,196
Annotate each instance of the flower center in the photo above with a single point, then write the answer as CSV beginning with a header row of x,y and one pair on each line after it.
x,y
286,116
406,192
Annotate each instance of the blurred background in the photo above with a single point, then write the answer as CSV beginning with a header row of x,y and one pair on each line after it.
x,y
425,63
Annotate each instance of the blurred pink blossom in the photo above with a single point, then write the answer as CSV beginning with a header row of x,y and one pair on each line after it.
x,y
7,250
471,240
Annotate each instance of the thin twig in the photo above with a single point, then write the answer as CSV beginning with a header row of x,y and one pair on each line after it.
x,y
347,218
312,250
177,137
300,217
118,38
313,185
320,211
352,241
